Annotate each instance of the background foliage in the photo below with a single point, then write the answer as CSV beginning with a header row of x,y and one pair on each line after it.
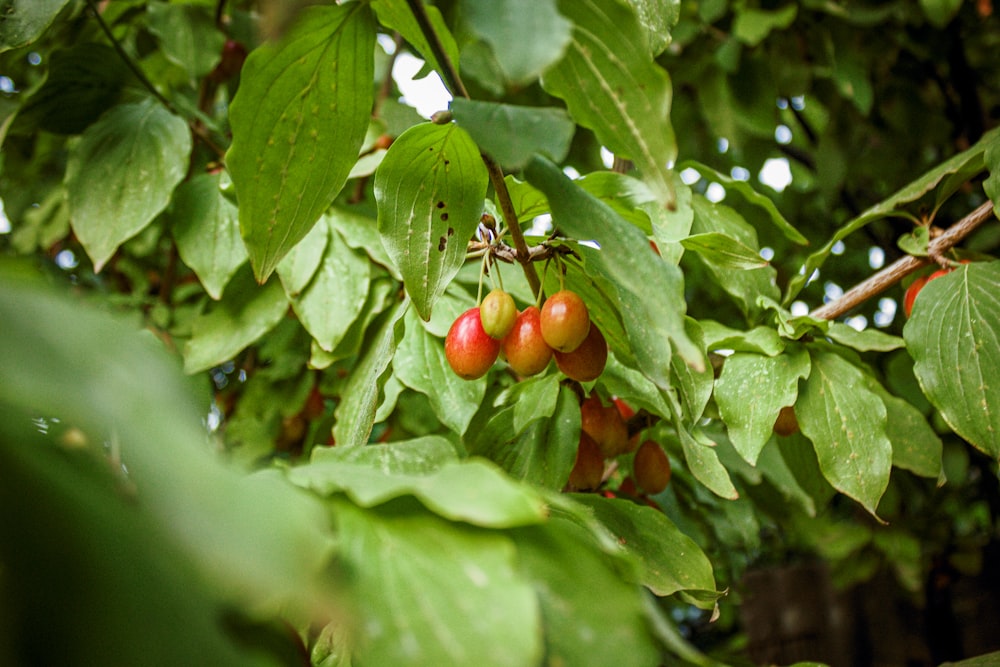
x,y
231,250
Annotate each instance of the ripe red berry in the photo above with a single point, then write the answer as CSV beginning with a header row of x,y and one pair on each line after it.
x,y
565,321
587,361
498,312
605,425
588,470
469,349
651,467
524,348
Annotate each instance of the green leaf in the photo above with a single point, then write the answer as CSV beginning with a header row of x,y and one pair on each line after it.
x,y
670,561
473,491
297,268
724,251
992,183
762,340
430,190
299,119
356,412
751,196
206,228
335,297
703,462
535,26
536,398
952,337
694,387
776,470
419,456
649,290
472,605
657,17
121,174
752,26
188,36
585,624
940,12
609,59
396,15
542,454
84,81
846,423
245,313
750,393
866,340
361,233
512,134
420,364
25,20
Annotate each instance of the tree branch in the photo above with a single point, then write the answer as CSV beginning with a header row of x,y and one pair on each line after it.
x,y
904,266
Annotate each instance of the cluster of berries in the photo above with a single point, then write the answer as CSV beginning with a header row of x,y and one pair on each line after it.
x,y
528,339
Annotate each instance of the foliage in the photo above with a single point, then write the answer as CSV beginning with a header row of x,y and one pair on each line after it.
x,y
226,286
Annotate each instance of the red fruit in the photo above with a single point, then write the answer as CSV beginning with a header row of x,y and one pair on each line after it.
x,y
624,408
524,348
651,467
469,350
498,312
588,470
787,423
565,321
918,284
605,425
587,361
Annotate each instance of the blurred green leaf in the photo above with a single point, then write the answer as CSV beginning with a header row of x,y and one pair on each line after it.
x,y
25,20
298,122
121,174
430,191
536,25
658,18
752,25
418,456
940,12
952,336
188,36
475,608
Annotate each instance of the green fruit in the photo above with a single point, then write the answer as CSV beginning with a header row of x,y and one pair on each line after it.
x,y
498,312
587,361
470,351
524,348
565,321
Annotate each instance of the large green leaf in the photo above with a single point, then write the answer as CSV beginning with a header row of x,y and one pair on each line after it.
x,y
608,59
846,423
360,398
420,364
750,393
430,191
246,312
24,20
474,491
431,592
649,290
121,174
670,560
543,453
206,229
418,456
589,613
512,134
535,26
335,296
299,119
952,336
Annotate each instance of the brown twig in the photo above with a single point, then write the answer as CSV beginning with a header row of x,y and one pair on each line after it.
x,y
904,266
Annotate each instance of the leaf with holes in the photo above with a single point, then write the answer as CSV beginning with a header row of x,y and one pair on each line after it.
x,y
608,59
430,190
299,119
846,423
952,336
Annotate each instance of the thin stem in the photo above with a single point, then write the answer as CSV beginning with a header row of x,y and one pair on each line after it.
x,y
904,266
454,82
144,80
